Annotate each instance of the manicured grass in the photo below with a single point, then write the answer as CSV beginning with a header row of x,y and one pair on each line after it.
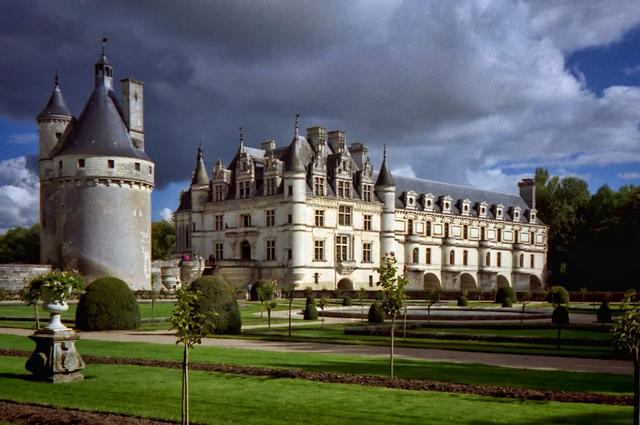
x,y
547,332
404,368
232,399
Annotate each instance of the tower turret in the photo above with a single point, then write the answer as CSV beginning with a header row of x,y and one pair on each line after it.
x,y
52,121
386,191
199,183
103,71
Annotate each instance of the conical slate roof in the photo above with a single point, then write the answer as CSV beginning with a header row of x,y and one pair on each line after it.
x,y
56,106
200,176
294,161
384,176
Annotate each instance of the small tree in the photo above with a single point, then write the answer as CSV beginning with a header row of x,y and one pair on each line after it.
x,y
524,298
266,294
627,299
583,292
604,313
394,296
30,294
431,296
322,302
154,295
361,294
626,337
190,326
560,317
287,293
478,292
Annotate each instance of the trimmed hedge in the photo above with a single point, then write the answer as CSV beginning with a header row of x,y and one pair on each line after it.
x,y
558,295
507,302
505,292
346,301
218,297
604,313
462,301
560,316
310,310
376,313
107,304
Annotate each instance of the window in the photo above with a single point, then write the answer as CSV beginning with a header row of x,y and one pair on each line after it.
x,y
367,192
516,238
410,227
60,165
289,254
366,252
193,226
318,186
271,250
342,248
415,256
150,169
81,163
137,166
465,258
244,189
271,218
367,222
482,236
245,219
316,278
58,136
452,257
290,190
271,187
428,256
499,238
428,228
446,230
219,251
532,261
499,259
319,218
218,222
487,259
344,215
344,190
370,281
111,163
289,219
521,260
465,232
533,238
219,193
318,250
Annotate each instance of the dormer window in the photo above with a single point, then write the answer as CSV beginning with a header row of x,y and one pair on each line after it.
x,y
466,207
500,211
515,213
318,186
427,201
344,189
482,210
367,192
446,204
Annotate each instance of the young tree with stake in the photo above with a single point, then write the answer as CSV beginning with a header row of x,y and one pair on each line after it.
x,y
322,303
287,293
432,296
361,294
626,336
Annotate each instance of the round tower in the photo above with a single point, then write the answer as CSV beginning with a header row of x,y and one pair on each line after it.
x,y
386,191
101,197
52,121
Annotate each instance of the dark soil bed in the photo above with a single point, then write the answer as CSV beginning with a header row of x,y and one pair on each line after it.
x,y
368,380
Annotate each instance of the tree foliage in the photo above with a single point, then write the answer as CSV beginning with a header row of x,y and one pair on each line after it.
x,y
163,239
20,245
626,337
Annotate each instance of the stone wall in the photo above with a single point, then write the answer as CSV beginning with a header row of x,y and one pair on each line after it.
x,y
15,276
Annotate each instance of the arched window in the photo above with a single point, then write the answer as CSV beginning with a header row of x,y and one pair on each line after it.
x,y
487,259
452,257
415,258
521,260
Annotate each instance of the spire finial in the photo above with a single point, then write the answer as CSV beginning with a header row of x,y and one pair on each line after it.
x,y
295,135
104,41
384,152
200,154
241,137
55,80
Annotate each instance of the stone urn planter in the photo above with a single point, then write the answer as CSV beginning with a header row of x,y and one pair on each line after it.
x,y
55,358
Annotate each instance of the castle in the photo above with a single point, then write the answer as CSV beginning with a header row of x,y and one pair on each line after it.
x,y
314,214
96,183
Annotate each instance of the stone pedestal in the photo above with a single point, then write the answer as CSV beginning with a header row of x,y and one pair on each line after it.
x,y
55,358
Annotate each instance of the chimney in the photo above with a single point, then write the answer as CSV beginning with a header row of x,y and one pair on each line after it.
x,y
317,136
268,145
528,192
133,110
337,140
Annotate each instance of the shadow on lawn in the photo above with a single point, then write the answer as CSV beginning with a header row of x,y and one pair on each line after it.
x,y
617,418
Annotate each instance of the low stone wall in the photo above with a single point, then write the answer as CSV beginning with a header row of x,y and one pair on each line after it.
x,y
15,276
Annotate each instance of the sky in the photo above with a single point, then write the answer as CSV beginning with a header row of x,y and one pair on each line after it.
x,y
477,93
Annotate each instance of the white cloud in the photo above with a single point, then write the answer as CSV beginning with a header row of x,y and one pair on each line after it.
x,y
631,175
403,170
632,70
19,195
166,214
23,138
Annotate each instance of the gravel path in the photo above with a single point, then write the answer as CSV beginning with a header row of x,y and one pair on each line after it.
x,y
519,361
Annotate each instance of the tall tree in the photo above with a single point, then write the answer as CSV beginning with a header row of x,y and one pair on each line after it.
x,y
163,239
20,245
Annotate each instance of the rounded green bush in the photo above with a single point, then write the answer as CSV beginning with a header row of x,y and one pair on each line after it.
x,y
310,310
505,292
376,313
560,316
507,302
217,296
254,289
604,313
107,304
558,295
346,301
462,301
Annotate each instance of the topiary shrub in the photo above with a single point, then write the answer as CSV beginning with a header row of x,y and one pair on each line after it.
x,y
217,296
558,295
107,304
507,302
604,313
505,292
255,296
346,301
462,301
376,313
310,310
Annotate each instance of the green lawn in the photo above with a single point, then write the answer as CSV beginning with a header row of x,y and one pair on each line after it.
x,y
404,368
234,399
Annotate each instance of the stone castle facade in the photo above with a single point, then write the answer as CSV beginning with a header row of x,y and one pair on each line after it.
x,y
314,214
96,183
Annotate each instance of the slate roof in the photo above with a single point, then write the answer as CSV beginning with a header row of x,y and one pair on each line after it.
x,y
56,106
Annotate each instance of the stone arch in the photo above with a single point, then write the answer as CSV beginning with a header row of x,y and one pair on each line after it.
x,y
430,281
467,282
345,284
502,282
245,250
534,283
